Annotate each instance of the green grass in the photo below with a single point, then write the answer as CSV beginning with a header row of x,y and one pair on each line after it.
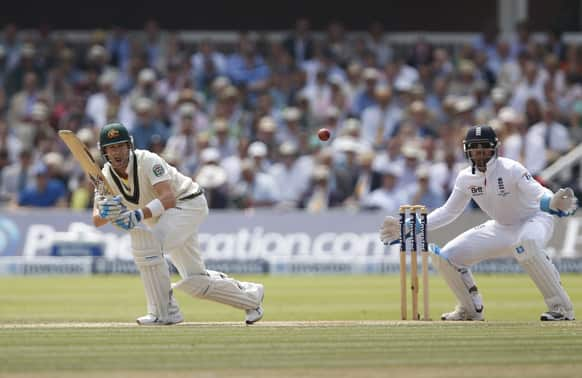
x,y
313,326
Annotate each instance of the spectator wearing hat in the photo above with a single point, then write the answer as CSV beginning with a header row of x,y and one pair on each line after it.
x,y
424,191
512,142
318,94
266,133
44,191
291,175
388,197
213,178
379,121
291,129
100,105
319,196
365,96
417,120
20,104
229,106
346,169
146,124
255,189
222,139
464,81
497,99
146,87
414,158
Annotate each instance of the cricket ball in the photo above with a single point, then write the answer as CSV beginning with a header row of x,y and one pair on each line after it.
x,y
323,134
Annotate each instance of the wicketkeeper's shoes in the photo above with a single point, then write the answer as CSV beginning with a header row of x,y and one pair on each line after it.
x,y
461,313
557,316
256,314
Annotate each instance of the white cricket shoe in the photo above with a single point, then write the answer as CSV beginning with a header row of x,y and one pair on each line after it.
x,y
557,315
153,320
256,314
174,315
461,313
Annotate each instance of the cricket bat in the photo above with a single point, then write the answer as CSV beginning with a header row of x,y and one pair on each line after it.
x,y
85,159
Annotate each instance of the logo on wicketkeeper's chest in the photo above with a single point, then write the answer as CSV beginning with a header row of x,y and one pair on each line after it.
x,y
476,190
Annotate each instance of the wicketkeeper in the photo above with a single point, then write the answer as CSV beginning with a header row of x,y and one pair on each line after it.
x,y
521,225
162,210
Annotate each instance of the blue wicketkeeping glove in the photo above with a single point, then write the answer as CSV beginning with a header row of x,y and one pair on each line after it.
x,y
129,219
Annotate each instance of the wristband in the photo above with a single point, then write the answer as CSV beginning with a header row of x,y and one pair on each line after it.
x,y
156,207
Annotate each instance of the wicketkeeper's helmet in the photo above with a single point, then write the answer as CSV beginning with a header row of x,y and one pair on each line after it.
x,y
480,136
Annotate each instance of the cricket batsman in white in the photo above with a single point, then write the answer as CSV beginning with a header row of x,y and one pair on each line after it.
x,y
162,210
521,224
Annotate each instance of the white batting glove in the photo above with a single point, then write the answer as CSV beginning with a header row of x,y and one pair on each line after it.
x,y
110,208
390,230
128,219
563,203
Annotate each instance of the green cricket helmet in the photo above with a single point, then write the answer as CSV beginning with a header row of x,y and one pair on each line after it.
x,y
113,133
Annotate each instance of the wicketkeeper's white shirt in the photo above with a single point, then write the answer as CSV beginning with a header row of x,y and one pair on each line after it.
x,y
506,192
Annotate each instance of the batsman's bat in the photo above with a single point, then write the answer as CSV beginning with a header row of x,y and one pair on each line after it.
x,y
85,159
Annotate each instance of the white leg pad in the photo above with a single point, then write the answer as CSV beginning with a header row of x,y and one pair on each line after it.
x,y
461,283
218,287
155,275
544,274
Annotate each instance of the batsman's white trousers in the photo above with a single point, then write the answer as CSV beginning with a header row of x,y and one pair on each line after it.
x,y
177,233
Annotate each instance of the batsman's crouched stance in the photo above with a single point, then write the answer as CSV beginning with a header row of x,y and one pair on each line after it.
x,y
162,210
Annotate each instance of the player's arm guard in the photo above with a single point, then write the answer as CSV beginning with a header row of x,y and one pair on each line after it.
x,y
562,204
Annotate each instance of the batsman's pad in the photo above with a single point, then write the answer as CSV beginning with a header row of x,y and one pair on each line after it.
x,y
154,272
220,288
544,274
460,281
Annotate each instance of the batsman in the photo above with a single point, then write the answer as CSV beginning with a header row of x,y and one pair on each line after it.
x,y
162,210
521,224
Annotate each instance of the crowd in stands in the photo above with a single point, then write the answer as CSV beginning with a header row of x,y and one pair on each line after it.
x,y
242,120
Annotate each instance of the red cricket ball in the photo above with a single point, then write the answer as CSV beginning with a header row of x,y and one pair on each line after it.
x,y
323,134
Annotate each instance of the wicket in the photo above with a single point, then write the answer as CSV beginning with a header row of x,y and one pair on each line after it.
x,y
415,212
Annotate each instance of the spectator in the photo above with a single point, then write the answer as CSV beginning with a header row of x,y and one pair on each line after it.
x,y
44,191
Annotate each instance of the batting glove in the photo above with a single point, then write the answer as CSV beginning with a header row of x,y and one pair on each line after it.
x,y
129,219
562,204
110,208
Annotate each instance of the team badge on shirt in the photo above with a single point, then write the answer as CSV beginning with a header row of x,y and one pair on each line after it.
x,y
158,170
